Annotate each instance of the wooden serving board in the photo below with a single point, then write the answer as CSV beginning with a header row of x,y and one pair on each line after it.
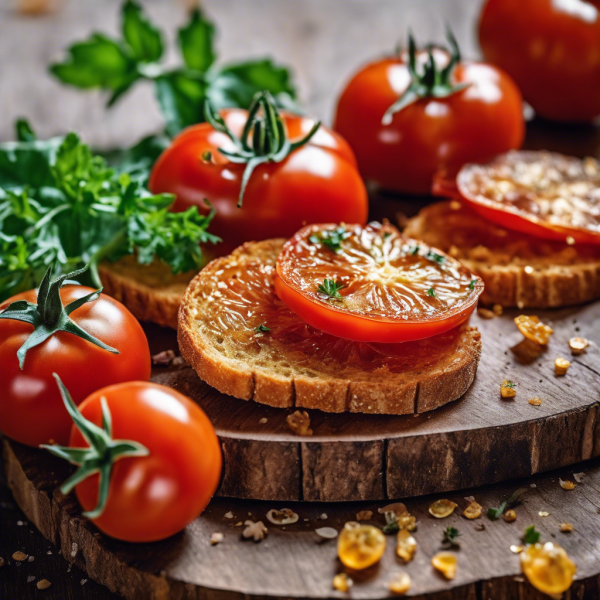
x,y
293,562
477,440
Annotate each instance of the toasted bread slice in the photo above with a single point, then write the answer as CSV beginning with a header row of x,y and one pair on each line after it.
x,y
150,292
517,269
293,364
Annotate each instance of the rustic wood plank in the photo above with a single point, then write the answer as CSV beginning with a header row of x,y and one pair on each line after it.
x,y
292,561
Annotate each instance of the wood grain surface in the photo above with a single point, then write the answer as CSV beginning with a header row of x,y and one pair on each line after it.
x,y
293,562
477,440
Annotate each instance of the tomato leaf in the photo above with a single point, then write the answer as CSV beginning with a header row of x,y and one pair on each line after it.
x,y
196,42
143,38
60,203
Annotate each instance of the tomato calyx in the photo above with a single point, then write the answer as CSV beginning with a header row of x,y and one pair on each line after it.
x,y
432,82
49,315
101,455
264,138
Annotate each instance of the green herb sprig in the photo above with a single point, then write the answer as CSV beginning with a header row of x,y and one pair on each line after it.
x,y
114,65
331,289
451,535
531,536
60,204
332,238
495,513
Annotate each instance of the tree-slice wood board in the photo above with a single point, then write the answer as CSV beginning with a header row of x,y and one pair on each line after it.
x,y
476,440
293,562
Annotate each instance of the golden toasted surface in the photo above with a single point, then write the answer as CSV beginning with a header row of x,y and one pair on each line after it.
x,y
517,269
293,364
150,292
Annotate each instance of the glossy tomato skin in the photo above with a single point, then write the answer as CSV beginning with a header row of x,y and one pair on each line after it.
x,y
319,182
152,497
31,409
431,134
551,49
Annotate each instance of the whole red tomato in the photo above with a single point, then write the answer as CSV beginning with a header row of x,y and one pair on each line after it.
x,y
552,50
156,493
315,182
31,409
409,116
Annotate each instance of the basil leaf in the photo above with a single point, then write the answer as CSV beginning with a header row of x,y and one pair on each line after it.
x,y
24,131
235,84
99,62
181,100
196,42
142,37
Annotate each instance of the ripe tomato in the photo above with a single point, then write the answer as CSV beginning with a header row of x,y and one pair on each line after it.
x,y
551,48
155,496
317,182
544,194
31,409
443,127
370,284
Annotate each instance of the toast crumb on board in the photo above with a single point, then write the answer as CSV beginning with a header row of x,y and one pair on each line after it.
x,y
293,364
517,269
150,292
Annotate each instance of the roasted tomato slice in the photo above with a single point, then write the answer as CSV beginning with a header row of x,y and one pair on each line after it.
x,y
370,284
544,194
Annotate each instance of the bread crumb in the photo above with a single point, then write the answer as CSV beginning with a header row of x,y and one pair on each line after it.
x,y
342,583
263,420
299,423
535,401
43,584
364,515
19,556
216,538
578,345
329,533
164,358
257,531
485,313
566,527
561,366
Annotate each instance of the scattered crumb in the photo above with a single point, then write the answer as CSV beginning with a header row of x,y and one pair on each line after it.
x,y
30,578
364,515
510,515
533,485
508,389
73,549
480,527
516,549
285,516
43,584
400,584
473,511
238,524
228,515
578,345
179,361
299,423
216,538
519,579
567,485
543,513
164,358
20,523
535,401
83,582
2,562
323,517
30,558
485,313
578,477
342,583
443,508
561,366
257,531
566,527
329,533
263,420
19,556
49,552
498,310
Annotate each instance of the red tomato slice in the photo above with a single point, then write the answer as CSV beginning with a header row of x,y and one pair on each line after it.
x,y
370,284
544,194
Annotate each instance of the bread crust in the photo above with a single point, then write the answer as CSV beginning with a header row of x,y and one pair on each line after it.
x,y
543,275
150,292
290,378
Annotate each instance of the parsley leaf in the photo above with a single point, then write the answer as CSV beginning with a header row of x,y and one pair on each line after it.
x,y
60,203
114,64
472,284
531,536
332,238
495,513
435,257
331,289
451,535
431,292
262,329
509,384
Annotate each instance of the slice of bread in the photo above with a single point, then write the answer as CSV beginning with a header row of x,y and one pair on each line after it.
x,y
150,292
293,364
517,269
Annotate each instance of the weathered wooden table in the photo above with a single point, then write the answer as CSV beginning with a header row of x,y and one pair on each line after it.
x,y
324,40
